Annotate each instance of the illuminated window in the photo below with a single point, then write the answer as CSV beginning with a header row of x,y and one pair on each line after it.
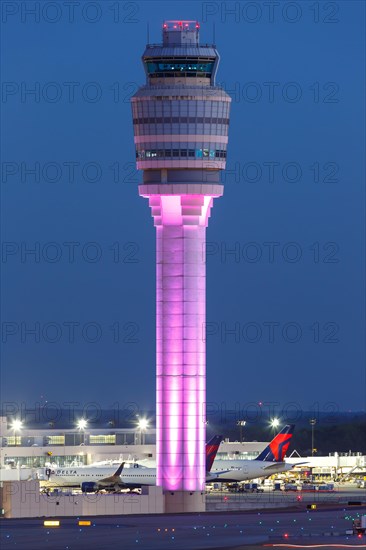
x,y
14,440
205,154
102,439
56,440
180,67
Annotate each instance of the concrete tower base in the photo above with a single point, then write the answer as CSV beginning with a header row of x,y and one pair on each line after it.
x,y
177,502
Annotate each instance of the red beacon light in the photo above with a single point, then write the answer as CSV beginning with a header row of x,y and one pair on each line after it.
x,y
181,25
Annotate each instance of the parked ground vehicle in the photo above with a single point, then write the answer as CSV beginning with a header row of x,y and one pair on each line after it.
x,y
359,525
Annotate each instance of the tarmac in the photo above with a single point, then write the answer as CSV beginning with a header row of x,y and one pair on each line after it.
x,y
225,501
284,528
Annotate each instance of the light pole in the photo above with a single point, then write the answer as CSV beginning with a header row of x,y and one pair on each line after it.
x,y
312,423
274,424
143,424
16,426
81,425
241,424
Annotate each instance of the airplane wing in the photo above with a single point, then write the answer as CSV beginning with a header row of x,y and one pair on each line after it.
x,y
274,466
115,477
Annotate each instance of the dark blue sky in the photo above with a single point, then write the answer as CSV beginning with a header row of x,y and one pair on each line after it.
x,y
293,211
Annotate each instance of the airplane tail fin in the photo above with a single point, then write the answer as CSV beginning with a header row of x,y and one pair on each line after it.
x,y
276,450
119,471
211,450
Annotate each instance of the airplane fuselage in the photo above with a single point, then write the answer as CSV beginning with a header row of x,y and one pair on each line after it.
x,y
74,477
243,470
224,471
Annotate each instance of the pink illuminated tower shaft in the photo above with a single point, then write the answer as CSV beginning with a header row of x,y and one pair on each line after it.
x,y
181,222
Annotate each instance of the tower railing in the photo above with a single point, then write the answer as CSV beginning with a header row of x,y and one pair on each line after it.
x,y
160,45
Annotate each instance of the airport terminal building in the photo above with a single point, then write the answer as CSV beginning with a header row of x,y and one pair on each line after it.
x,y
35,447
31,447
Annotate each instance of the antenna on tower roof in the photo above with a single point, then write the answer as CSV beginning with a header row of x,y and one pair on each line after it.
x,y
147,33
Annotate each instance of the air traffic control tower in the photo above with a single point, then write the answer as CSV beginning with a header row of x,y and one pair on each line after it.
x,y
181,122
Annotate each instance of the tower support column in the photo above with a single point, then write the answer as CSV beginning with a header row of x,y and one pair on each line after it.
x,y
181,222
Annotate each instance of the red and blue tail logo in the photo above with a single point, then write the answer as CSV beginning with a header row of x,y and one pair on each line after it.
x,y
276,450
211,450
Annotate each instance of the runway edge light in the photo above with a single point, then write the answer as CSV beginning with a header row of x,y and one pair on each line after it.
x,y
84,522
51,523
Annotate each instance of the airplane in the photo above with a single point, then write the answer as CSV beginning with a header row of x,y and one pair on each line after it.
x,y
270,461
93,479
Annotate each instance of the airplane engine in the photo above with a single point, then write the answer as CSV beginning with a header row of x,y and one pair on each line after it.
x,y
89,487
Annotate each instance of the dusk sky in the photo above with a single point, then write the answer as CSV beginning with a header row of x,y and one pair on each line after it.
x,y
285,264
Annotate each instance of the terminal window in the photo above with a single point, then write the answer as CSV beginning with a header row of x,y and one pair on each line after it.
x,y
102,439
56,440
14,440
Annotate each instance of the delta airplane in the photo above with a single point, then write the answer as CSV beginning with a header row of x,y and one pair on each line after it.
x,y
92,479
270,461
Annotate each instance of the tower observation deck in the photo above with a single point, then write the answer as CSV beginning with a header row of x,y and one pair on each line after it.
x,y
181,122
